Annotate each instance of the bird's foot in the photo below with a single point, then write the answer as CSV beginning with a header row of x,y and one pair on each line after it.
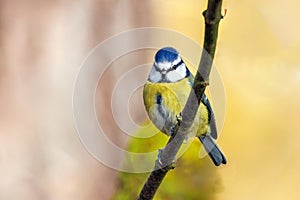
x,y
179,118
172,129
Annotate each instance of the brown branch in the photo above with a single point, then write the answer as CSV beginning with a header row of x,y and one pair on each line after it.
x,y
212,18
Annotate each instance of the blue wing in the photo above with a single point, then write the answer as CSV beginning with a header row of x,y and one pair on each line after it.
x,y
211,115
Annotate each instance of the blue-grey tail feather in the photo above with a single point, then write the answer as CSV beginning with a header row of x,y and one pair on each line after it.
x,y
213,150
211,117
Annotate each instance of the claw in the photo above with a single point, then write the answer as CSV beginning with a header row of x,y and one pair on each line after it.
x,y
172,166
179,118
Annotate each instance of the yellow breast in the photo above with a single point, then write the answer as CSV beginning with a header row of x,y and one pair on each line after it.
x,y
174,97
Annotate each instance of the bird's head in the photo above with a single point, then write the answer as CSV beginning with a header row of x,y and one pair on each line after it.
x,y
168,67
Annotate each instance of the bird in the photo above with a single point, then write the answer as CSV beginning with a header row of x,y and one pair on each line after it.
x,y
165,93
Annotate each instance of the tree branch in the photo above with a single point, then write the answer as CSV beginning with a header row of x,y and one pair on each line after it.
x,y
212,16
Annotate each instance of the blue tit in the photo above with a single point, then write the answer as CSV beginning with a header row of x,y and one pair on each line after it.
x,y
165,94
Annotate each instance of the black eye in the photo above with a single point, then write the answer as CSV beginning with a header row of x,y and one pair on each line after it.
x,y
174,67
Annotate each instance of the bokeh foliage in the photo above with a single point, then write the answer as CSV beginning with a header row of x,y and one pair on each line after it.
x,y
193,178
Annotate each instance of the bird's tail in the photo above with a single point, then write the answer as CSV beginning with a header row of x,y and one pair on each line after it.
x,y
212,149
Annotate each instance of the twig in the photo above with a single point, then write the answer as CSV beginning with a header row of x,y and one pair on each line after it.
x,y
212,18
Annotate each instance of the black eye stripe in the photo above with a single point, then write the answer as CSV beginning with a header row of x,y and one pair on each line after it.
x,y
174,67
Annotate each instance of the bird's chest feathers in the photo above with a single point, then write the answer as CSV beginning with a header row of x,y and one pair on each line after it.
x,y
168,94
164,101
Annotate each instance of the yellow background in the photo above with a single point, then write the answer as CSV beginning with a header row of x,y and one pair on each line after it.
x,y
258,58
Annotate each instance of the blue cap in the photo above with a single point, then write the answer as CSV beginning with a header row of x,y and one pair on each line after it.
x,y
166,54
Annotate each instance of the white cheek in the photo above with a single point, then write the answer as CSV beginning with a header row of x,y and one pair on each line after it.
x,y
182,70
154,76
178,74
174,76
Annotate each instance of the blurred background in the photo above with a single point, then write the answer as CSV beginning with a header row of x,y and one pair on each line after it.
x,y
42,45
